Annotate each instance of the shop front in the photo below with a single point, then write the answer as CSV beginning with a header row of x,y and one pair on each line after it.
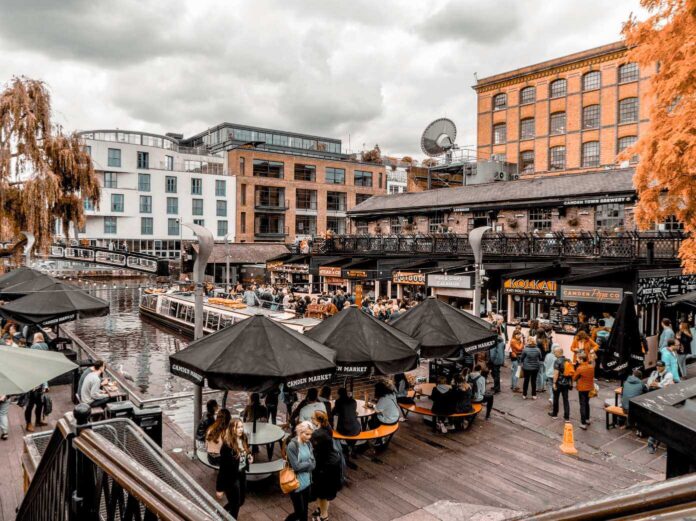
x,y
456,290
332,279
409,284
291,273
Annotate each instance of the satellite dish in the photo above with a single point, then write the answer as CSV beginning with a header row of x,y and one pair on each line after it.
x,y
438,137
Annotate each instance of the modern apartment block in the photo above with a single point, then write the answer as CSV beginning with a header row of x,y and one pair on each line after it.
x,y
290,186
571,113
151,184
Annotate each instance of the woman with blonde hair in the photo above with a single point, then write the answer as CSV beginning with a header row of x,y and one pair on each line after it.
x,y
327,478
214,436
235,458
301,459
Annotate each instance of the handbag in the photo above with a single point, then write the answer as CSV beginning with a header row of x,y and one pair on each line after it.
x,y
288,479
520,372
594,392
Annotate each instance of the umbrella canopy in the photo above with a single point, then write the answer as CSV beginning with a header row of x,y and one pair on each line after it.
x,y
31,284
55,304
16,276
624,346
364,345
443,330
254,355
23,369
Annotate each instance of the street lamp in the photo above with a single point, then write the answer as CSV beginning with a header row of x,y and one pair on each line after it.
x,y
475,240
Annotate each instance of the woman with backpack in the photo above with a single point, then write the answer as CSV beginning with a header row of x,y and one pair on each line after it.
x,y
327,478
563,372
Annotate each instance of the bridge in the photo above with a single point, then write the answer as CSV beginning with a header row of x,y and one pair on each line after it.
x,y
115,258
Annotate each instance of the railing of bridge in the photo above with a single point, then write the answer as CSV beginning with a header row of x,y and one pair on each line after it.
x,y
629,245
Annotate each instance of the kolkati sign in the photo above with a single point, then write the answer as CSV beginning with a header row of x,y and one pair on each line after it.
x,y
330,271
591,294
408,277
531,287
450,281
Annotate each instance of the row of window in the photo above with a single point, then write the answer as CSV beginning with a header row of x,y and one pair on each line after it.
x,y
305,199
332,175
283,140
117,205
589,155
627,113
170,184
592,80
143,163
147,226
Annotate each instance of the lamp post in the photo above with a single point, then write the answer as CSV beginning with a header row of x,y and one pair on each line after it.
x,y
227,262
28,247
475,239
205,248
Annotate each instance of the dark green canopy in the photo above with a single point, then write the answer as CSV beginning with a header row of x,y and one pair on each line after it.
x,y
31,284
21,274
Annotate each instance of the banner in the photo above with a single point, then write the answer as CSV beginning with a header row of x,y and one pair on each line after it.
x,y
536,288
408,277
330,271
591,294
450,281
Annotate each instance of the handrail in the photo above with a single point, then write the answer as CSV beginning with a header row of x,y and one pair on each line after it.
x,y
137,480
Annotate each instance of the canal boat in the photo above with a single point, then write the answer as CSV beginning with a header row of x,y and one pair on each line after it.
x,y
175,311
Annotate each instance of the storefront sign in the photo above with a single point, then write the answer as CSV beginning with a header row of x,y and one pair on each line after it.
x,y
408,277
450,281
270,266
536,288
591,294
651,290
598,200
461,210
356,274
289,268
330,271
336,281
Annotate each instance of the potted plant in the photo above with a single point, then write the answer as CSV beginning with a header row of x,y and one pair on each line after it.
x,y
512,223
573,221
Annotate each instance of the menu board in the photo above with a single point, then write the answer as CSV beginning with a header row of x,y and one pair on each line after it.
x,y
564,317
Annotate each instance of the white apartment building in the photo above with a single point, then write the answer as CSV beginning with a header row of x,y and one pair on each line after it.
x,y
397,179
151,184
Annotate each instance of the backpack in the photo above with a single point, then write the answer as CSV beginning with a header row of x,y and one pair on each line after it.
x,y
47,404
568,368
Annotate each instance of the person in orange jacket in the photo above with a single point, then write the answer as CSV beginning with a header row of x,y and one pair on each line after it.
x,y
516,348
583,343
584,382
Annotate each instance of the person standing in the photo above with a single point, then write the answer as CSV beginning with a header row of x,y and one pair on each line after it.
x,y
531,362
496,357
235,458
327,477
563,372
669,356
301,460
667,333
516,348
584,381
685,338
345,414
582,343
549,361
478,389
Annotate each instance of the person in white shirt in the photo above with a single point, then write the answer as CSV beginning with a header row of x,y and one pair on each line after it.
x,y
91,392
660,377
608,320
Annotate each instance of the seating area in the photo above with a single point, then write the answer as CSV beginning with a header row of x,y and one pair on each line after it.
x,y
612,413
383,431
255,469
423,411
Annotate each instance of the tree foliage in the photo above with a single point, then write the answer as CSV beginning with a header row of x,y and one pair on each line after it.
x,y
666,173
44,173
371,156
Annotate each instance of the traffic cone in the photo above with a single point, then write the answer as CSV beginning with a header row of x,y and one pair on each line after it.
x,y
568,445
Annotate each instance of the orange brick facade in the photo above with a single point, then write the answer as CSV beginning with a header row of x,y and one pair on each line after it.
x,y
241,163
605,95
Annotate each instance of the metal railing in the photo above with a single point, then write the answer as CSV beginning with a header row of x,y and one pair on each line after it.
x,y
630,245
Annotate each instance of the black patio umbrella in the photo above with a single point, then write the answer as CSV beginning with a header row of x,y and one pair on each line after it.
x,y
37,282
255,355
624,346
16,276
364,345
55,304
443,330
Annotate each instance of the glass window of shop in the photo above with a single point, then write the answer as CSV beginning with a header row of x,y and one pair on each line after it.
x,y
436,223
609,216
395,225
336,225
306,224
539,219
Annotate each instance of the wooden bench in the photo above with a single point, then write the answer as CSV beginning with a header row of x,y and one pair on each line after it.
x,y
96,413
613,412
423,411
255,469
381,432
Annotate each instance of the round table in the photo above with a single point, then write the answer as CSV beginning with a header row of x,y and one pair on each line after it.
x,y
265,433
424,389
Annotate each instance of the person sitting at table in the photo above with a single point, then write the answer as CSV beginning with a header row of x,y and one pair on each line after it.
x,y
254,411
270,400
403,387
215,434
477,378
305,409
632,387
211,408
345,414
461,395
91,392
325,398
583,342
387,410
442,403
234,459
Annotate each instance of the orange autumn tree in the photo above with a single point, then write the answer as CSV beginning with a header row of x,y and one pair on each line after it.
x,y
665,177
44,173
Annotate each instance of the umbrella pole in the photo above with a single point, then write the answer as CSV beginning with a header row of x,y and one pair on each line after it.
x,y
224,400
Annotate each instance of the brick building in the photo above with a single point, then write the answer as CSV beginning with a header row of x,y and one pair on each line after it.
x,y
571,113
291,186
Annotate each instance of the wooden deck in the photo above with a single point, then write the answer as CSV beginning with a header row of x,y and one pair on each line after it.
x,y
511,461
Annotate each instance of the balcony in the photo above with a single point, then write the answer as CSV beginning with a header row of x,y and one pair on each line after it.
x,y
269,205
279,233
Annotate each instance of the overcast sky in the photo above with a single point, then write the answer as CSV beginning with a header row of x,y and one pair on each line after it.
x,y
377,70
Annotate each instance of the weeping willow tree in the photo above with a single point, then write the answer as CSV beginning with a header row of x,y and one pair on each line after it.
x,y
45,174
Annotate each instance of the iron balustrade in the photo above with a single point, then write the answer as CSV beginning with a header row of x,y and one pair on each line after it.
x,y
629,245
114,258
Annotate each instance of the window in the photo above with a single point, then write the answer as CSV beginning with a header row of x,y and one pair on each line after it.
x,y
539,219
499,157
558,123
609,216
170,184
363,178
270,197
625,142
110,180
87,149
592,80
146,226
527,95
527,128
499,133
628,110
628,72
199,222
196,186
269,224
114,157
169,163
335,176
361,198
144,182
557,157
336,201
242,194
196,206
379,176
558,89
145,204
306,224
527,161
221,208
395,224
436,223
172,226
242,166
306,199
220,188
222,228
590,153
116,202
305,173
671,224
336,225
173,205
499,101
272,169
590,116
143,160
109,224
88,205
242,222
361,227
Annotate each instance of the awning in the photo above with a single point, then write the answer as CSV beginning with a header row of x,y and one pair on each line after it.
x,y
685,299
557,270
286,258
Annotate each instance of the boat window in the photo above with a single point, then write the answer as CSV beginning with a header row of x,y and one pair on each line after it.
x,y
212,320
189,314
226,322
173,306
181,314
